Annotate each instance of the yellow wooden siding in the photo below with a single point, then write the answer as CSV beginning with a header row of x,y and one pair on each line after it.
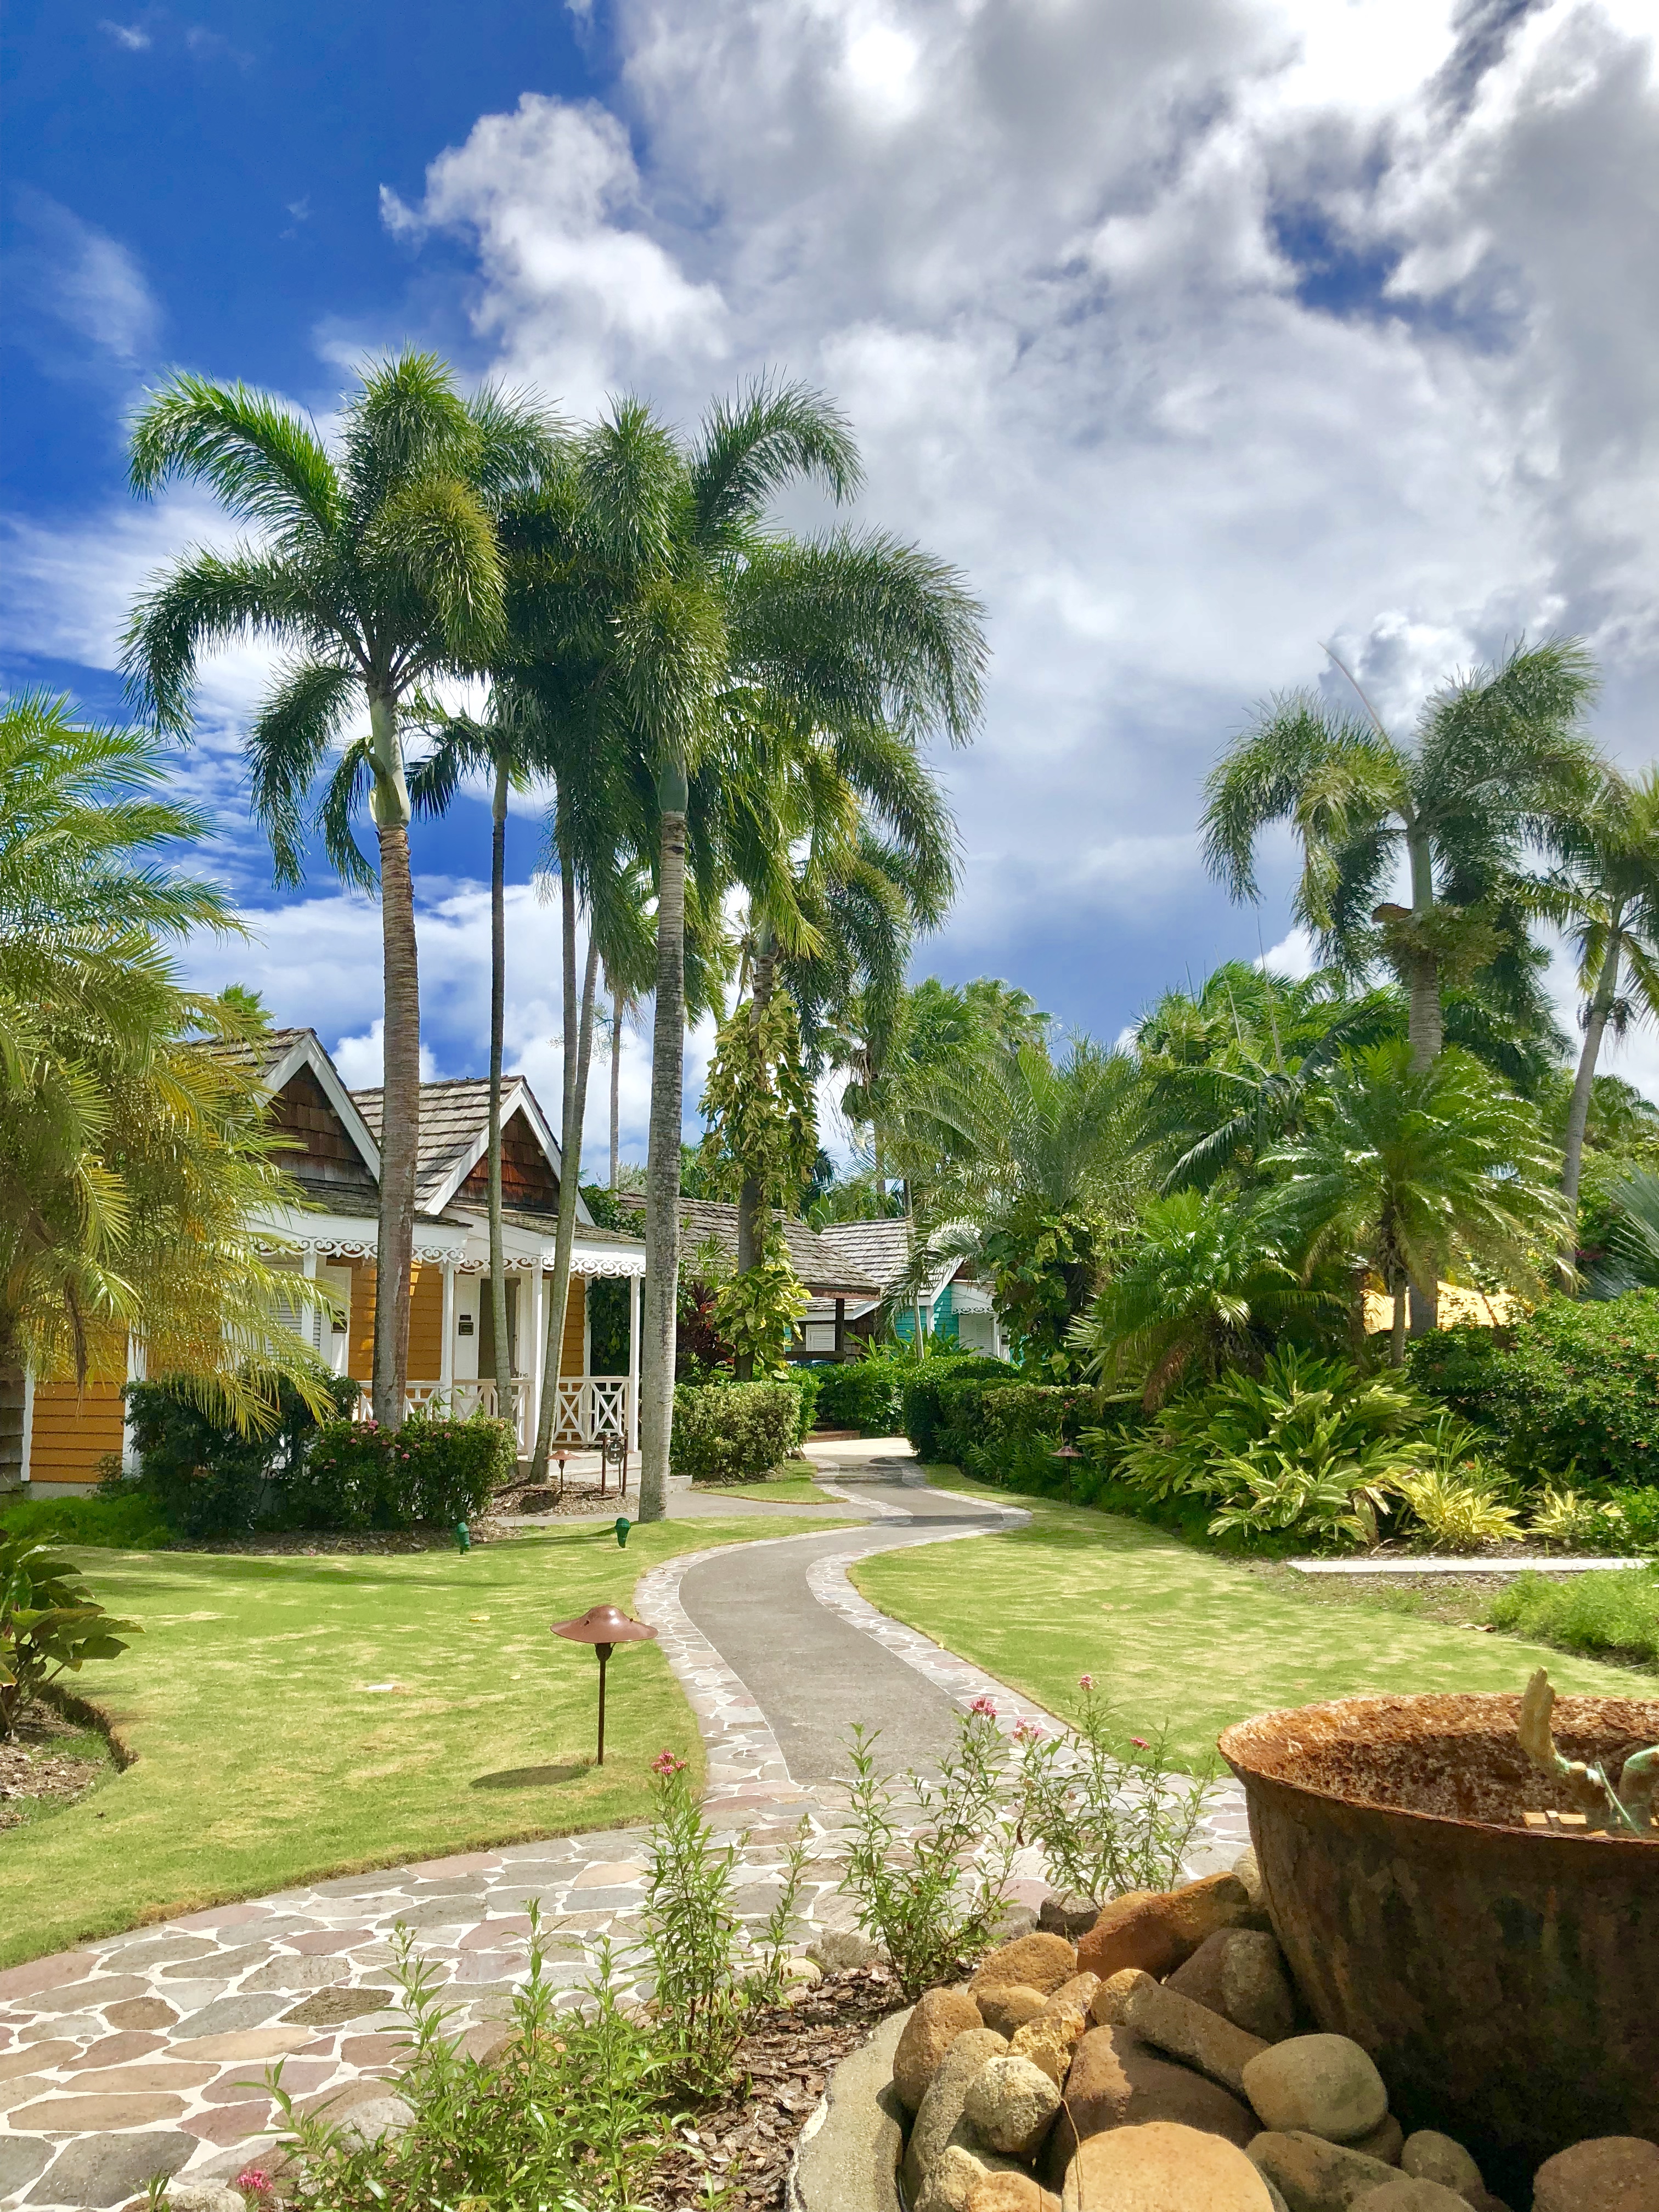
x,y
73,1430
426,1325
360,1335
575,1315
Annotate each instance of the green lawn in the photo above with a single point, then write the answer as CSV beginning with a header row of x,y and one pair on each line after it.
x,y
776,1490
266,1754
1173,1634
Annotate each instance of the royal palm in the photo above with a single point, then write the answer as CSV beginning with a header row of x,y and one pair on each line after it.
x,y
374,567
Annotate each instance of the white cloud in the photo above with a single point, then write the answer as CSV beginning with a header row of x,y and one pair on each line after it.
x,y
85,279
131,36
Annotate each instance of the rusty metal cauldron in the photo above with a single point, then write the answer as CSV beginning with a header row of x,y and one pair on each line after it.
x,y
1505,1978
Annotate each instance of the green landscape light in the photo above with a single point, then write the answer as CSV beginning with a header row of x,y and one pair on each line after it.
x,y
623,1526
463,1537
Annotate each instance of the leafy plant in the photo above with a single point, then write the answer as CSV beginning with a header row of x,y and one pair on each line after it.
x,y
733,1431
1614,1614
1311,1445
207,1477
863,1393
569,2117
124,1523
1571,1394
756,1309
928,1862
430,1472
1604,1521
1458,1513
1109,1819
50,1625
708,1982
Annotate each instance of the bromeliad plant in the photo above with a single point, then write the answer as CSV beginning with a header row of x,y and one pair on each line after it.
x,y
928,1863
50,1625
1109,1820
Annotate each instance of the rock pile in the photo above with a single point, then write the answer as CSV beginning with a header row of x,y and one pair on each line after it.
x,y
1160,2063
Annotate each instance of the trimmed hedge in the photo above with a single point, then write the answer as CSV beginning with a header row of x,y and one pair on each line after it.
x,y
734,1432
866,1394
358,1475
921,1395
1572,1394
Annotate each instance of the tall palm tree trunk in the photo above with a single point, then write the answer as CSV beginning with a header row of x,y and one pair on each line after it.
x,y
502,1350
400,1126
570,1163
751,1196
1426,1034
661,1300
1598,1014
616,1087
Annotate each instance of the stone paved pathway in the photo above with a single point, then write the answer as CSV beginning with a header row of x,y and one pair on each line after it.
x,y
144,2052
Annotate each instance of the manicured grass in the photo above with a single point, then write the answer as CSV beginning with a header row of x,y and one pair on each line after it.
x,y
1616,1613
121,1524
265,1755
1172,1634
776,1490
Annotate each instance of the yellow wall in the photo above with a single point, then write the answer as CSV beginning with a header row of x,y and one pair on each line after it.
x,y
426,1325
360,1355
73,1430
575,1312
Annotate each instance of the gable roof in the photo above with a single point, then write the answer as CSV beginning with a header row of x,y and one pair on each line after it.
x,y
820,1266
279,1055
455,1133
882,1250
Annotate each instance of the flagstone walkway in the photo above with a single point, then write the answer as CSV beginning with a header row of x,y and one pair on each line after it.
x,y
144,2053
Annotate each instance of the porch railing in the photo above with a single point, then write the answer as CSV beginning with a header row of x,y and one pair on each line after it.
x,y
591,1408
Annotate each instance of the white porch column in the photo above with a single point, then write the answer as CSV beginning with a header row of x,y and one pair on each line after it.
x,y
633,1362
135,1374
310,1322
446,1352
538,1359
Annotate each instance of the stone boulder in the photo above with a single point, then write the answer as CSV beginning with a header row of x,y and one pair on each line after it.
x,y
1240,1972
940,2111
1011,2105
1615,2173
1050,2038
1067,1913
1039,1962
1385,2142
1317,2085
1005,2006
932,2027
1247,1869
1430,2156
1118,2081
838,1949
956,2172
1183,2029
1160,1932
1161,2167
1313,2175
1405,2194
1011,2192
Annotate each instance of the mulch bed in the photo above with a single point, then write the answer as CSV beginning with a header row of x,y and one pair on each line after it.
x,y
745,2142
32,1771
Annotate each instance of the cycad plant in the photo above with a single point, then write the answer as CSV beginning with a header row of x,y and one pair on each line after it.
x,y
376,566
1413,1173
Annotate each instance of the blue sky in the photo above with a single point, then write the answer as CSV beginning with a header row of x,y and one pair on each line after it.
x,y
1195,335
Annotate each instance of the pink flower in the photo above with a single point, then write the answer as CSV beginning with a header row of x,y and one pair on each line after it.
x,y
1028,1732
1085,1682
1140,1743
666,1763
254,2181
984,1708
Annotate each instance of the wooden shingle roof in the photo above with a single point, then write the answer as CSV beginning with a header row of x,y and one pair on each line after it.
x,y
821,1267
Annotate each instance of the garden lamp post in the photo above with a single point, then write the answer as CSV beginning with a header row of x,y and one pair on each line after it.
x,y
605,1626
1067,1455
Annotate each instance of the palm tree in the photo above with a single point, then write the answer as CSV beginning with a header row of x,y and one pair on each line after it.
x,y
376,567
1031,1164
133,1141
1604,891
678,621
1411,1172
1498,757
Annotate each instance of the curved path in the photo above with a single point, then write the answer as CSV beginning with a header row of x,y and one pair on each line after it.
x,y
144,2052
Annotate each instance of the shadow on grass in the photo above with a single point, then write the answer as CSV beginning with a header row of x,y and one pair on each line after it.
x,y
530,1777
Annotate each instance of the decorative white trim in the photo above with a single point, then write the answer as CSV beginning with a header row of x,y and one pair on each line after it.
x,y
520,1097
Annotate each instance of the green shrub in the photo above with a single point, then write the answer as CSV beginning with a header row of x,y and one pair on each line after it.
x,y
866,1394
205,1478
124,1522
733,1431
429,1473
1597,1520
1312,1447
920,1393
1571,1393
805,1380
50,1625
1613,1615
